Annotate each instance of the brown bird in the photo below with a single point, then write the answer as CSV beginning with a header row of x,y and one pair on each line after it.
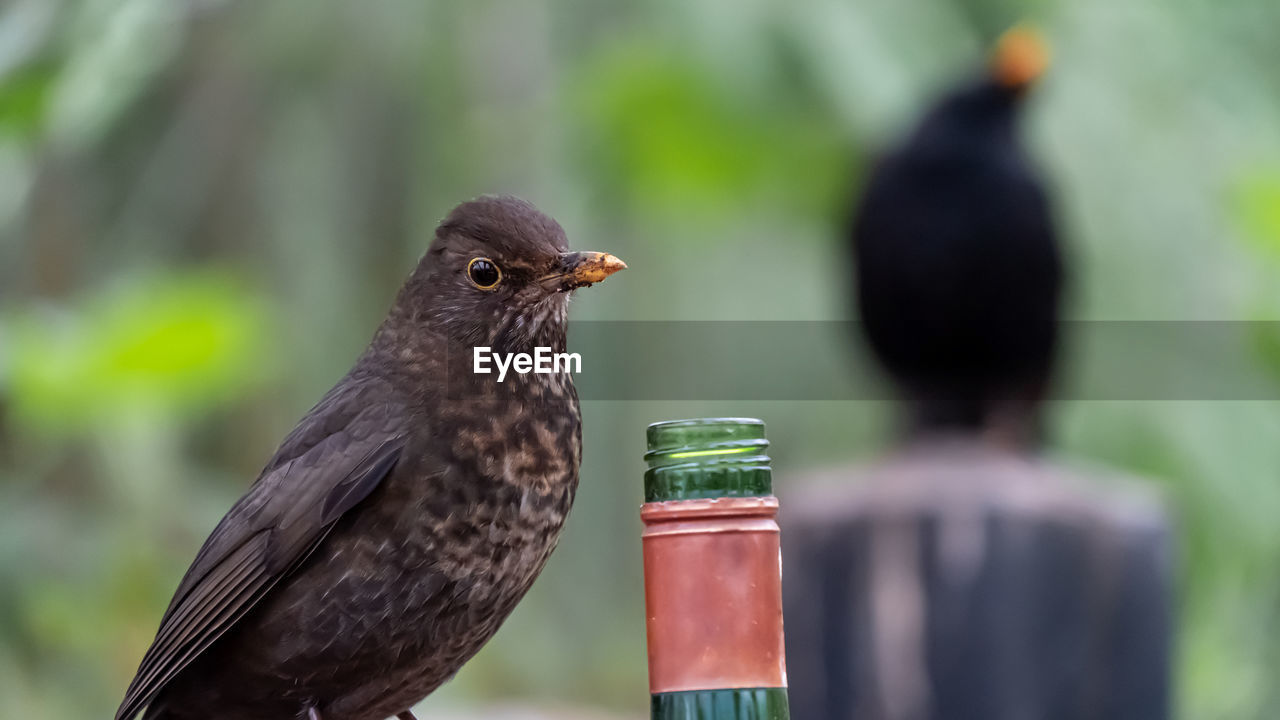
x,y
408,512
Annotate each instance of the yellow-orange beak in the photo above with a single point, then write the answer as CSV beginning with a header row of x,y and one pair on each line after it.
x,y
579,269
1020,58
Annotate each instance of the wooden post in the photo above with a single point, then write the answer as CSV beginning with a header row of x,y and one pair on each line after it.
x,y
956,581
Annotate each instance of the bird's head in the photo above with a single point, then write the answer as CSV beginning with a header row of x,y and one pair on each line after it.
x,y
987,104
499,272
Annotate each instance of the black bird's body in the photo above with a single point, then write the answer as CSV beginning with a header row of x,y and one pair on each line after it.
x,y
409,511
959,272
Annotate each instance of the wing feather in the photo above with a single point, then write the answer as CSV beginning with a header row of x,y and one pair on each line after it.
x,y
186,638
283,517
238,567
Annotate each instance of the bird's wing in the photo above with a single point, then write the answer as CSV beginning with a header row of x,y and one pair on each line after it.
x,y
286,513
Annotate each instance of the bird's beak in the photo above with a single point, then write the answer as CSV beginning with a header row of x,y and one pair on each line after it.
x,y
579,269
1020,58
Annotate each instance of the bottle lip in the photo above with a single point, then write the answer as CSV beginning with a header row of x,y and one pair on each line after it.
x,y
693,422
706,457
672,437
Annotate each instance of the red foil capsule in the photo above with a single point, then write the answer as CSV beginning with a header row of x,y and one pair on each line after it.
x,y
713,594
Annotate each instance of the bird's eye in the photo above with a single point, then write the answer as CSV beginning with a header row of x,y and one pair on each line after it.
x,y
484,273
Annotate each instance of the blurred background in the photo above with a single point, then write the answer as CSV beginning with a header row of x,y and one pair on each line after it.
x,y
206,207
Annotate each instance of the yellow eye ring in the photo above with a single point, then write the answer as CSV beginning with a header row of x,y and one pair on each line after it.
x,y
484,273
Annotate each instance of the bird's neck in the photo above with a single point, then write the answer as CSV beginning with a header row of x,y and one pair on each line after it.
x,y
430,362
1012,423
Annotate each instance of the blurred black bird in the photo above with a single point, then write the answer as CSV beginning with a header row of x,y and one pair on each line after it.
x,y
958,267
406,514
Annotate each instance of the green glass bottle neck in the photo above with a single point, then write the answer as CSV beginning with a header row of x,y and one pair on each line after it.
x,y
734,704
707,458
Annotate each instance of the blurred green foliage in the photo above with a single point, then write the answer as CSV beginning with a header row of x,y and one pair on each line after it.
x,y
672,138
205,208
176,345
1258,209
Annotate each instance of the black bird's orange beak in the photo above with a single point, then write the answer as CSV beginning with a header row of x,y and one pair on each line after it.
x,y
580,269
1020,58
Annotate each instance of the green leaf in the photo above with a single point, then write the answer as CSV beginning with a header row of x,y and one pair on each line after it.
x,y
187,343
1257,209
24,98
